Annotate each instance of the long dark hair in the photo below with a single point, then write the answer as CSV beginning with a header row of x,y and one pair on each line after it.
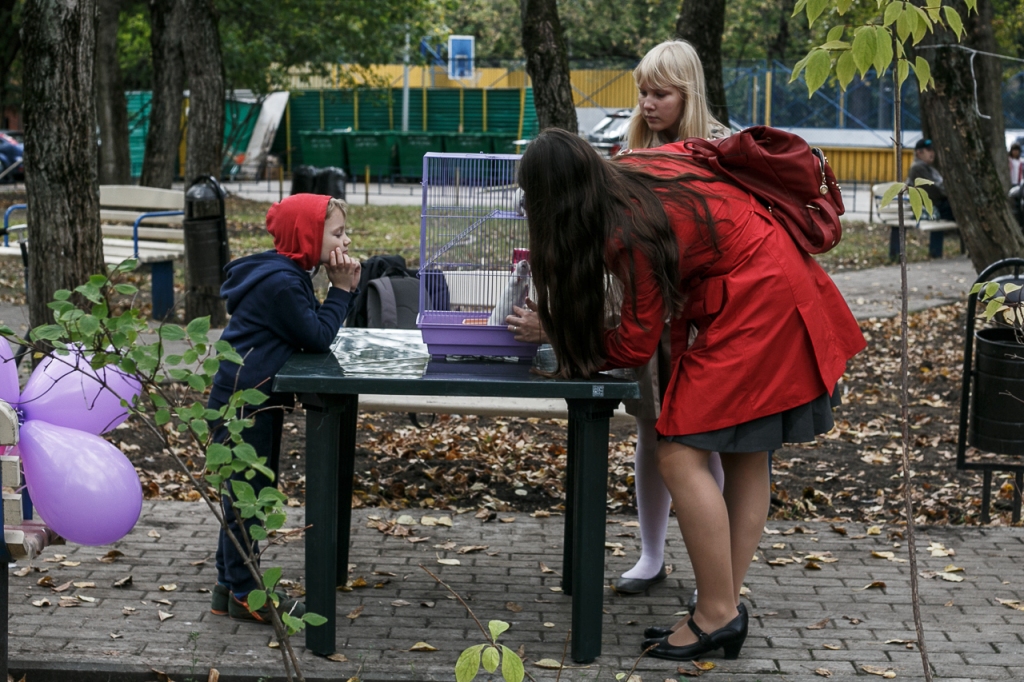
x,y
576,204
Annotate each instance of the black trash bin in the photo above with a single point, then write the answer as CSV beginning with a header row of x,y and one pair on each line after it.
x,y
206,250
304,180
330,181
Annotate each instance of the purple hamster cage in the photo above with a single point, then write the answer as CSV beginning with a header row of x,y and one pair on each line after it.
x,y
473,255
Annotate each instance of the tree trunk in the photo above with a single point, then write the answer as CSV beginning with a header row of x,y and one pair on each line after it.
x,y
115,165
547,62
205,134
701,23
972,148
10,43
59,43
160,164
205,72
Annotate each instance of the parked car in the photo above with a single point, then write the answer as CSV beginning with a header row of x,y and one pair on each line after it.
x,y
609,135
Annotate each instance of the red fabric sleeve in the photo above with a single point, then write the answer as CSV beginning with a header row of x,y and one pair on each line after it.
x,y
633,342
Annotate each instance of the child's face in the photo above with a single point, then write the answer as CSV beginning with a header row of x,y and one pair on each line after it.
x,y
334,236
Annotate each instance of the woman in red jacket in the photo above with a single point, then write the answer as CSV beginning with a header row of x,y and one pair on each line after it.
x,y
773,338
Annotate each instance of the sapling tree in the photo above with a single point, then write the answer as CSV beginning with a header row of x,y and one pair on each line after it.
x,y
882,42
100,321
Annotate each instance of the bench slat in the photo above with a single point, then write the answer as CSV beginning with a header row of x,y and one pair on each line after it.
x,y
129,216
158,233
142,199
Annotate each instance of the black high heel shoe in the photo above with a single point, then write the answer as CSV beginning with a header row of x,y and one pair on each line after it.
x,y
729,638
656,632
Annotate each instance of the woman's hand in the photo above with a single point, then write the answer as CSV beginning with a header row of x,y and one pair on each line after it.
x,y
525,324
343,271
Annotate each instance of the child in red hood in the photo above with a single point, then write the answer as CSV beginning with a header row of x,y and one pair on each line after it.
x,y
274,312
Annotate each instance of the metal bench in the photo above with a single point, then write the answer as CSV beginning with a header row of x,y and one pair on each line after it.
x,y
151,238
889,215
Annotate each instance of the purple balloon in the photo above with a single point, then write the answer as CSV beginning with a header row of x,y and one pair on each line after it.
x,y
84,488
64,390
8,373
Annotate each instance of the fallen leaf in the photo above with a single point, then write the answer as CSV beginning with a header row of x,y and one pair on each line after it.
x,y
427,604
428,521
824,672
548,664
84,585
111,556
401,602
513,607
406,520
153,533
952,569
22,572
163,615
358,582
812,566
779,545
41,602
545,569
449,562
883,555
170,587
114,635
471,548
1012,603
163,602
838,529
413,539
820,625
82,597
853,621
56,558
274,644
128,610
123,582
508,519
901,641
887,673
874,530
63,588
704,665
446,546
422,646
214,675
444,521
951,577
549,625
68,602
45,581
876,585
338,658
201,562
356,612
832,647
555,589
71,564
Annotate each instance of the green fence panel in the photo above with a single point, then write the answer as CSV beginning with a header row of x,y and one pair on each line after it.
x,y
322,148
467,143
373,149
138,127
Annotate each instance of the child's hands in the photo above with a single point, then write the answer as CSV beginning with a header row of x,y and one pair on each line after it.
x,y
343,271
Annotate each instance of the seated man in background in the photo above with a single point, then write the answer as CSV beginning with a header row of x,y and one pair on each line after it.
x,y
924,158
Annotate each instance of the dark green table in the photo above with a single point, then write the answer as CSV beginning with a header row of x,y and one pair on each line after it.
x,y
331,398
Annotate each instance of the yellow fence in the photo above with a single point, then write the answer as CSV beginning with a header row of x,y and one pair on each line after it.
x,y
865,164
607,88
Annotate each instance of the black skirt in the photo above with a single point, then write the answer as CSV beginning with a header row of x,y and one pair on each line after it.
x,y
797,425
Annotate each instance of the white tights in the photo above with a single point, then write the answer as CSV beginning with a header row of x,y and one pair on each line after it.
x,y
653,500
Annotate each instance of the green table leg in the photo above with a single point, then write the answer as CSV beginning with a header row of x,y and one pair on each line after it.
x,y
570,486
588,424
330,450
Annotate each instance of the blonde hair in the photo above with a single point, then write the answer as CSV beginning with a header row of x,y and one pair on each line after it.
x,y
336,205
674,64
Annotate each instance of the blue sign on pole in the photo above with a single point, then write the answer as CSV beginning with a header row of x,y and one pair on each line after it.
x,y
460,57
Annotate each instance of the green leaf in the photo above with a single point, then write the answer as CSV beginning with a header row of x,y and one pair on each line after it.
x,y
61,295
217,455
468,665
173,360
843,6
196,382
211,365
275,521
993,307
956,24
271,576
800,5
835,45
891,193
799,67
243,492
846,69
927,200
818,67
497,627
47,332
162,416
906,22
924,24
257,599
977,287
892,13
835,33
1010,287
814,10
171,332
246,453
902,71
157,399
256,532
490,659
126,289
198,329
511,665
88,325
200,428
253,396
883,50
924,73
314,619
991,289
915,201
864,49
190,356
921,182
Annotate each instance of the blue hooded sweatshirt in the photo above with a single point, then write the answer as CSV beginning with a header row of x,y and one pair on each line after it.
x,y
274,312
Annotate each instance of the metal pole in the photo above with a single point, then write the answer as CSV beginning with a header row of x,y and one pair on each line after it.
x,y
405,86
366,185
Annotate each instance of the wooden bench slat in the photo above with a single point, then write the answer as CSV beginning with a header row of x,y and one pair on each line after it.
x,y
128,216
172,233
142,199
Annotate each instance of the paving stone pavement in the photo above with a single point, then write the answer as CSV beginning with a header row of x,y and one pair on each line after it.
x,y
970,636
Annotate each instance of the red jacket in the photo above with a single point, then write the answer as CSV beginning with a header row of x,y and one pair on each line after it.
x,y
773,330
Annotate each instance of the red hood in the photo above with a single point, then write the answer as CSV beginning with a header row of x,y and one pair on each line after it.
x,y
297,224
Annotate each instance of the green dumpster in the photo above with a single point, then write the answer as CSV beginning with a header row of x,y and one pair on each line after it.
x,y
505,143
372,148
322,148
411,148
467,143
